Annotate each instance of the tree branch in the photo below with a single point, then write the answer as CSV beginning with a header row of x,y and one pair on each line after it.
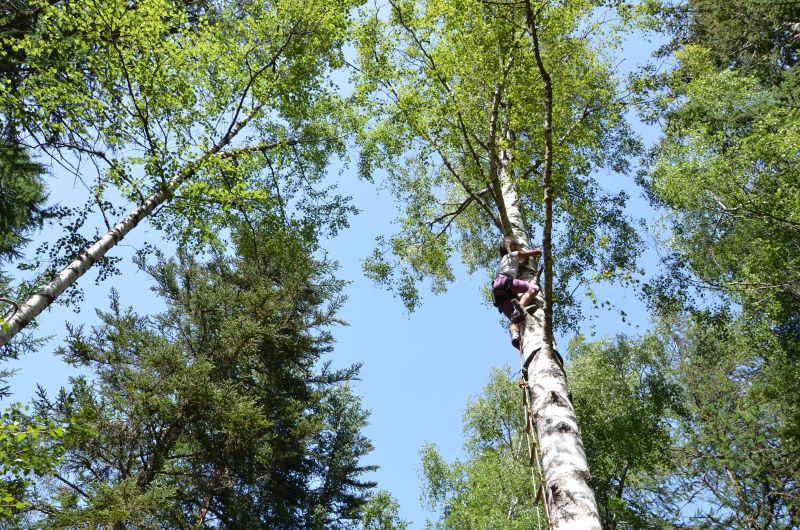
x,y
455,213
444,83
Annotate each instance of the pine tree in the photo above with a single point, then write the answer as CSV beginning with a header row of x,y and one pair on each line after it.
x,y
217,411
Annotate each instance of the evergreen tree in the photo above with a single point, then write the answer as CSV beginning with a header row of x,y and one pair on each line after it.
x,y
216,412
22,198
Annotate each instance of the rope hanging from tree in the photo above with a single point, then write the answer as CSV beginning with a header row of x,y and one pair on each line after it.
x,y
534,455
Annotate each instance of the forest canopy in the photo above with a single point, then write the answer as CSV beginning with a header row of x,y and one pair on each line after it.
x,y
230,144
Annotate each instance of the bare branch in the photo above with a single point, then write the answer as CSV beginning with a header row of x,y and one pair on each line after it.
x,y
451,216
461,181
11,302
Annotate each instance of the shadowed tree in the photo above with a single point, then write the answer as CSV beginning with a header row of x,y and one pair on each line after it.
x,y
219,411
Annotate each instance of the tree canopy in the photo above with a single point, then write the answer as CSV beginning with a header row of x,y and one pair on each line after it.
x,y
216,122
450,87
219,411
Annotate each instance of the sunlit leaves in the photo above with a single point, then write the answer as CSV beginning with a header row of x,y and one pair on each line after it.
x,y
728,169
127,97
429,73
30,447
491,487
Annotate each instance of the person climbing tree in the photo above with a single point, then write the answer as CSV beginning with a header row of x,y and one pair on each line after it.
x,y
506,286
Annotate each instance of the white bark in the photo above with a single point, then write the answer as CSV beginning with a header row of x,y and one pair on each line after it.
x,y
569,495
567,480
37,303
41,300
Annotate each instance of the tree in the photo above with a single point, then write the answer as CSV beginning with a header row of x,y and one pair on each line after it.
x,y
208,108
726,172
449,88
756,38
628,398
217,411
736,456
726,168
22,198
380,513
491,488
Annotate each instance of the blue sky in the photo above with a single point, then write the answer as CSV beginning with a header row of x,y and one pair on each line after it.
x,y
418,377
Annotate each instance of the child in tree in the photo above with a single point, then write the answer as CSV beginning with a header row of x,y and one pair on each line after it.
x,y
507,286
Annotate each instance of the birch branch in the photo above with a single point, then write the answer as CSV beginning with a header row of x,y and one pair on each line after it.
x,y
90,255
455,213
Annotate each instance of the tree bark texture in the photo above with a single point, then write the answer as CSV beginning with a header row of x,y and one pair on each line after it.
x,y
37,303
568,492
569,495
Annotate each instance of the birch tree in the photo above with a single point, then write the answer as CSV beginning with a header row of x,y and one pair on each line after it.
x,y
726,173
185,111
497,114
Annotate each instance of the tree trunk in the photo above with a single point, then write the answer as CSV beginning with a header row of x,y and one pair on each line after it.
x,y
569,495
37,303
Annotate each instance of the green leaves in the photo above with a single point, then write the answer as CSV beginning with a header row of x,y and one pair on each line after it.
x,y
727,169
232,99
380,513
627,397
449,86
491,487
222,401
30,448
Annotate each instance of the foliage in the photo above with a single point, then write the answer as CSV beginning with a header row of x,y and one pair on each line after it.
x,y
754,37
726,167
29,447
450,89
739,440
22,209
22,197
492,487
727,170
215,412
627,398
692,425
380,513
125,98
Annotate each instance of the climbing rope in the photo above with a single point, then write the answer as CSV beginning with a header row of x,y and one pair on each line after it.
x,y
534,459
534,455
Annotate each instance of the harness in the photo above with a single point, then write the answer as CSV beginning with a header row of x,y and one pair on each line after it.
x,y
503,294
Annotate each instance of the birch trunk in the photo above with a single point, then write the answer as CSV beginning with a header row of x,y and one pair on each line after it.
x,y
569,495
37,303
